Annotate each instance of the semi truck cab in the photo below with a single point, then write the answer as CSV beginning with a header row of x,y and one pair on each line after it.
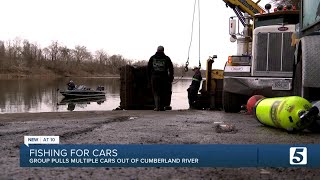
x,y
264,62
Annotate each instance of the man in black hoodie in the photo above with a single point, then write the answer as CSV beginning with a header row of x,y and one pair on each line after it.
x,y
160,73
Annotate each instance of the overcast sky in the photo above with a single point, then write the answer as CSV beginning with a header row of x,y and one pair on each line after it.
x,y
132,28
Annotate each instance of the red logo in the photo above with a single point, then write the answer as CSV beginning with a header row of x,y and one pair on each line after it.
x,y
283,28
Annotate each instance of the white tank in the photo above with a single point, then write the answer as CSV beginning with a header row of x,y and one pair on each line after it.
x,y
243,46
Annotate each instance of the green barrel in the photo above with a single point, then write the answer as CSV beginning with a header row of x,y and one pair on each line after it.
x,y
283,112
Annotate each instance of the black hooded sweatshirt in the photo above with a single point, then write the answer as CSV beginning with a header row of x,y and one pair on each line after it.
x,y
160,66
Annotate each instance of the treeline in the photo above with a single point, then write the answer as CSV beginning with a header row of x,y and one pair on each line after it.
x,y
21,57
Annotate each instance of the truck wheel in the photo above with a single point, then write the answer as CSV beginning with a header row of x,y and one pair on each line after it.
x,y
297,79
309,93
231,102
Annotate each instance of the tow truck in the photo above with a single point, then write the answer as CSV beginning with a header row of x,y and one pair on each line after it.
x,y
277,52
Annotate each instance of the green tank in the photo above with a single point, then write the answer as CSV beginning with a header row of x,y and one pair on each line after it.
x,y
290,113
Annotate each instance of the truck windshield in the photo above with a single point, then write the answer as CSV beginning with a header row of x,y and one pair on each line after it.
x,y
276,20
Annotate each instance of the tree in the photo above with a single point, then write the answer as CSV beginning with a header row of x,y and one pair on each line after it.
x,y
101,56
141,63
36,52
22,56
26,53
2,50
116,61
2,54
81,54
52,50
14,50
64,53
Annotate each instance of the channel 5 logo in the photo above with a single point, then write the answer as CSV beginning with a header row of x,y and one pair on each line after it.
x,y
298,156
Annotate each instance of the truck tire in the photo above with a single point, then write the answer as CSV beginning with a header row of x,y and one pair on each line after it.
x,y
231,102
297,79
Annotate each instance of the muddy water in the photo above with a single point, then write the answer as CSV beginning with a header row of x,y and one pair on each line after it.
x,y
34,95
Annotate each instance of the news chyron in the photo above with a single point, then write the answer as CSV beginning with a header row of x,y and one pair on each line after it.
x,y
48,151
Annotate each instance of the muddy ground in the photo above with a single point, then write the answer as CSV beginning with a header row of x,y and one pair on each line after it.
x,y
144,127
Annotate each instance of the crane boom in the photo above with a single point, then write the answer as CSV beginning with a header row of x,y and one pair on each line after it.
x,y
246,6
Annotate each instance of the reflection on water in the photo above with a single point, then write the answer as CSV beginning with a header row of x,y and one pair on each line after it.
x,y
81,102
43,96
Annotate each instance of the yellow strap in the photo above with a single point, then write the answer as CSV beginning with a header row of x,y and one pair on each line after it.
x,y
194,79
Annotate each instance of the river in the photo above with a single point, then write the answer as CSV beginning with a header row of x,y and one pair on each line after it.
x,y
42,95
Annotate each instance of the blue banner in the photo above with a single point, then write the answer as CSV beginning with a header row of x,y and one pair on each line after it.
x,y
195,155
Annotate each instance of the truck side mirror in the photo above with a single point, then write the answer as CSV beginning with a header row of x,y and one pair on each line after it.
x,y
232,26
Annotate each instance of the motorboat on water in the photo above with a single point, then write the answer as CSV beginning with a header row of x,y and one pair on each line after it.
x,y
83,91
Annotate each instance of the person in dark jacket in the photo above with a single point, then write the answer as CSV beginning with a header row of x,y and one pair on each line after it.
x,y
71,85
160,74
194,87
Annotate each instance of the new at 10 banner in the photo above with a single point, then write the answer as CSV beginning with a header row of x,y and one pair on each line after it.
x,y
207,155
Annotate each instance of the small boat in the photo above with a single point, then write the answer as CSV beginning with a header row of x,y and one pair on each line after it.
x,y
83,91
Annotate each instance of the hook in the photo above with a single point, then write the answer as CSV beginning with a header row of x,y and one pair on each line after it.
x,y
186,67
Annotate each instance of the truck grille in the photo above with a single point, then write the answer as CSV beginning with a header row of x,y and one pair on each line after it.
x,y
274,53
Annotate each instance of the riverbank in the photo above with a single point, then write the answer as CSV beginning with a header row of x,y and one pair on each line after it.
x,y
144,127
55,70
49,73
53,76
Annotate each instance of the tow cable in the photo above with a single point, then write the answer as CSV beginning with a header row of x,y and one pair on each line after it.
x,y
186,68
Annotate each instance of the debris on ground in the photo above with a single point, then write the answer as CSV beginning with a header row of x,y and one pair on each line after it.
x,y
263,171
225,128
